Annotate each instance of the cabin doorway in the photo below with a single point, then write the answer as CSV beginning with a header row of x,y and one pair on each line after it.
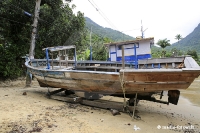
x,y
113,53
113,57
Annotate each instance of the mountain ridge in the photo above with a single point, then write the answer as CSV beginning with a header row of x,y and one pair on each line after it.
x,y
190,42
106,32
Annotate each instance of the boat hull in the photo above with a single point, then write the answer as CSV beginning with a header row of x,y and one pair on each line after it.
x,y
140,81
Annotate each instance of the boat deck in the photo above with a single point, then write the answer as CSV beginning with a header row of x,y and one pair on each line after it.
x,y
109,66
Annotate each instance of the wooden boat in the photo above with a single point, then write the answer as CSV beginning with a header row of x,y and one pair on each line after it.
x,y
115,78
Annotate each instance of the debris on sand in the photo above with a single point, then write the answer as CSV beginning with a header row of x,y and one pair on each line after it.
x,y
136,128
114,112
73,106
35,129
18,129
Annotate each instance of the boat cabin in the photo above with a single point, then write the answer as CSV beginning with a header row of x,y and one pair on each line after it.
x,y
134,50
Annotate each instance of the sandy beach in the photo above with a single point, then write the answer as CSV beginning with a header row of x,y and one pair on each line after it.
x,y
26,110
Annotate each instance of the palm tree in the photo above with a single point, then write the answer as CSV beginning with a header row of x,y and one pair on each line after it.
x,y
178,37
163,43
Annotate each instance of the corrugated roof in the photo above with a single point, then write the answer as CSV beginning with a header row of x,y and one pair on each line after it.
x,y
129,42
57,48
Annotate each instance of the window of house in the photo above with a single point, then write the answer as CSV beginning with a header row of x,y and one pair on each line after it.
x,y
119,47
129,46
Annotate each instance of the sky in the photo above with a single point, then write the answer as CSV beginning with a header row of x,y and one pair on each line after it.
x,y
161,18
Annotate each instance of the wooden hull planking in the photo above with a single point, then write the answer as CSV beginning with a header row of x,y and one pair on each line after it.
x,y
92,78
109,83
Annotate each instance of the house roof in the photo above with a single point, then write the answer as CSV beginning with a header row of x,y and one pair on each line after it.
x,y
57,48
130,42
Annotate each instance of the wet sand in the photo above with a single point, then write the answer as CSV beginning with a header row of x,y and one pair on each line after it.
x,y
193,92
35,112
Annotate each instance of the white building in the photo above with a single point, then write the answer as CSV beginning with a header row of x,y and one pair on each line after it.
x,y
133,50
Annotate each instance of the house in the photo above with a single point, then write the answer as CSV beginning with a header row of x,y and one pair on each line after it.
x,y
139,48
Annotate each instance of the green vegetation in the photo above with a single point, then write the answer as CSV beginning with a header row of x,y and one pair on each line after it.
x,y
57,26
163,43
190,45
114,35
99,51
178,37
190,42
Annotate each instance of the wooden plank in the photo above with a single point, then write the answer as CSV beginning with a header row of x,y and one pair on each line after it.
x,y
109,86
156,86
95,103
82,85
100,67
159,77
94,76
161,60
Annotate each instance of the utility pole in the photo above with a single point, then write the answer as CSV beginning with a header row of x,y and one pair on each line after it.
x,y
90,44
33,36
142,31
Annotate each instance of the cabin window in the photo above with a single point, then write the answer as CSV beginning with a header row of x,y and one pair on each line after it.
x,y
129,46
119,47
137,44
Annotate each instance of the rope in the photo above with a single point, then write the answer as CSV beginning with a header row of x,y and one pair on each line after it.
x,y
135,102
123,88
124,92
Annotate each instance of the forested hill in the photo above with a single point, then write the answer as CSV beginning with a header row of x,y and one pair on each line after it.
x,y
190,42
106,32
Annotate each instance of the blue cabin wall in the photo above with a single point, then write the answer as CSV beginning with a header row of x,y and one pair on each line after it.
x,y
143,51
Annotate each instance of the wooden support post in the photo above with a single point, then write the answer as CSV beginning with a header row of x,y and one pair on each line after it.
x,y
94,103
52,60
66,58
135,102
55,92
123,62
75,61
59,58
136,62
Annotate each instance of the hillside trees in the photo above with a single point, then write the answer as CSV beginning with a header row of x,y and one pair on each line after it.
x,y
163,43
178,37
57,26
99,51
194,55
114,35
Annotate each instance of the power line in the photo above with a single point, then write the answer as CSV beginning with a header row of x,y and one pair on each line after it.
x,y
103,15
